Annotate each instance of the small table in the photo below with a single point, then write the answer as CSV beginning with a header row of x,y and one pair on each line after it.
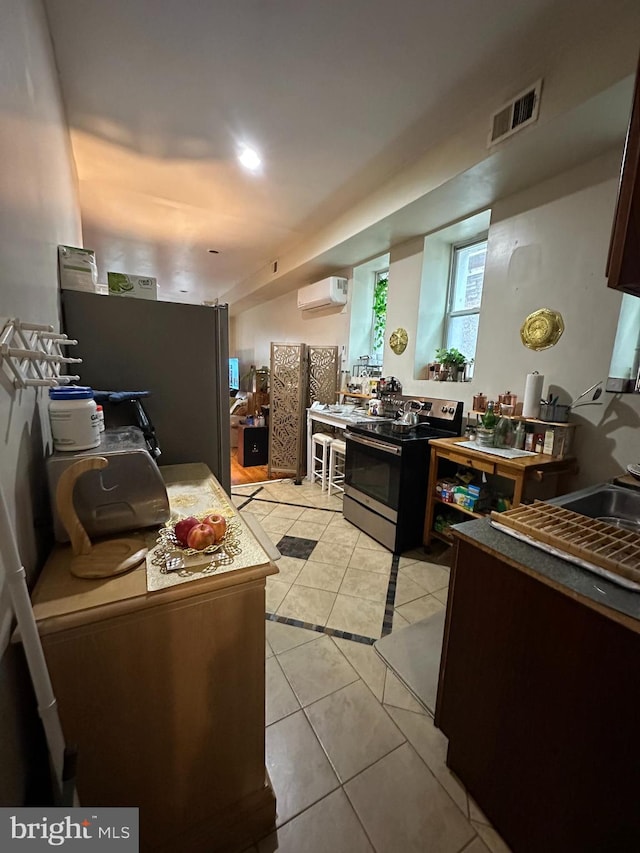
x,y
520,469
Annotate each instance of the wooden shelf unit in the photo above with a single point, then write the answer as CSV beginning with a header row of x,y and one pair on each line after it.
x,y
519,470
342,395
527,420
460,508
545,425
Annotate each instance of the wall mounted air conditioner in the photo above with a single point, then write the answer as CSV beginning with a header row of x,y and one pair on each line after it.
x,y
323,294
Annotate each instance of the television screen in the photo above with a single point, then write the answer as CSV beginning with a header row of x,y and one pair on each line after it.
x,y
234,374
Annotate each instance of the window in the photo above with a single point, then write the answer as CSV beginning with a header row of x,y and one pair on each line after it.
x,y
464,298
380,291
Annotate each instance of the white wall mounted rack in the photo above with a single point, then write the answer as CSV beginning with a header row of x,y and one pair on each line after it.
x,y
32,355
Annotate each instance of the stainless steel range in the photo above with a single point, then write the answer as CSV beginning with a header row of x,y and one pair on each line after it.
x,y
387,472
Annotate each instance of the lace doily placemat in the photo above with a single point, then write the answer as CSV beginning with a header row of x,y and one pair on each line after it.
x,y
169,564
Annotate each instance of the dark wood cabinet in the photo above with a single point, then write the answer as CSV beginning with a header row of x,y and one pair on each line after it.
x,y
623,263
539,698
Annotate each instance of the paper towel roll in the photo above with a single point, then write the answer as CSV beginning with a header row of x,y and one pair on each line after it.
x,y
532,395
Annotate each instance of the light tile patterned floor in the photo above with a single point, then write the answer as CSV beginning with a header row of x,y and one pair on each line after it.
x,y
355,761
333,577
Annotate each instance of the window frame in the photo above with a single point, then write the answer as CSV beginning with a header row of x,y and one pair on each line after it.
x,y
465,312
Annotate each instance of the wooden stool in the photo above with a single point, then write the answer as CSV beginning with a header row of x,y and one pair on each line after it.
x,y
320,443
337,452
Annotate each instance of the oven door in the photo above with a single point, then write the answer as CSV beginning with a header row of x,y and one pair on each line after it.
x,y
373,468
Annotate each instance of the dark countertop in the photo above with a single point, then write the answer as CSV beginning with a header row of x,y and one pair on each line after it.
x,y
591,589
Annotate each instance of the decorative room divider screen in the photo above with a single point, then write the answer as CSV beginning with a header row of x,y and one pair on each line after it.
x,y
301,374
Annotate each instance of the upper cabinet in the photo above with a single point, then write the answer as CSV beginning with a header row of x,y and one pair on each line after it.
x,y
623,263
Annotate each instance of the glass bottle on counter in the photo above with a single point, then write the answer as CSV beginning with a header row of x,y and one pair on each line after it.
x,y
519,436
489,419
504,429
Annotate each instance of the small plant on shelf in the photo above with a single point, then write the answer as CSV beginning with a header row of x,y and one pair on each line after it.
x,y
450,356
452,360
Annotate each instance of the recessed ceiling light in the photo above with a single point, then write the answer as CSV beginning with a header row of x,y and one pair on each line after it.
x,y
249,158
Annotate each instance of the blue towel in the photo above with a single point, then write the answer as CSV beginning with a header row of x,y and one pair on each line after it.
x,y
118,396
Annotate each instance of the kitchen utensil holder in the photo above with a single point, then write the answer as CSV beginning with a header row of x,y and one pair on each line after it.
x,y
554,413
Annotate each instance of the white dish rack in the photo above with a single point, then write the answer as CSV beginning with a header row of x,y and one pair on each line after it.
x,y
32,354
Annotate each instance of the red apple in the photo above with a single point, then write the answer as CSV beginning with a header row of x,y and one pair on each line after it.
x,y
218,523
183,527
201,536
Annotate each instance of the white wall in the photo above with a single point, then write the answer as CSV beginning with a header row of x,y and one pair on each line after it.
x,y
360,308
403,304
547,247
280,321
38,210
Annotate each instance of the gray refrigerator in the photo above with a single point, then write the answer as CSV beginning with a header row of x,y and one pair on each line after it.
x,y
177,352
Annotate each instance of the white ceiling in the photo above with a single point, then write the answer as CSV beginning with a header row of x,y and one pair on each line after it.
x,y
337,97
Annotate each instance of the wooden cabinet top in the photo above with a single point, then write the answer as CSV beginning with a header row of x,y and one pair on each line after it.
x,y
521,464
61,600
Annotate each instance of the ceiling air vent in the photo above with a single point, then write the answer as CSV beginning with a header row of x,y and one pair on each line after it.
x,y
518,113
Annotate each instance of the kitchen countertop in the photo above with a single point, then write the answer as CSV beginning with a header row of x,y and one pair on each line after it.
x,y
61,600
340,419
343,419
613,601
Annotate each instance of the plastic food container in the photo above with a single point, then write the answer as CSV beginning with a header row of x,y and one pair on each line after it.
x,y
73,414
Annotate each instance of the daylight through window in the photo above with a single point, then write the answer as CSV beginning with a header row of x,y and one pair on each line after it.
x,y
465,297
380,291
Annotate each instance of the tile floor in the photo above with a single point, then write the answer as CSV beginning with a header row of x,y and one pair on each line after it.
x,y
333,577
356,763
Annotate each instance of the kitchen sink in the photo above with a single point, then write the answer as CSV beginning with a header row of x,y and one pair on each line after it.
x,y
615,504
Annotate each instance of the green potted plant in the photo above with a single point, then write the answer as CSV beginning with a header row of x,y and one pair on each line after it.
x,y
380,293
452,361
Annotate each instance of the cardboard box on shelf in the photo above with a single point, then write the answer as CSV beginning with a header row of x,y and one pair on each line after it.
x,y
557,441
138,286
445,487
471,498
77,269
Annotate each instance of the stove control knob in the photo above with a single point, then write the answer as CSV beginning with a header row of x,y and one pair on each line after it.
x,y
451,410
444,409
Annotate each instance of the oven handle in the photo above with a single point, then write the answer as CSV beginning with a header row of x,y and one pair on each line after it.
x,y
393,449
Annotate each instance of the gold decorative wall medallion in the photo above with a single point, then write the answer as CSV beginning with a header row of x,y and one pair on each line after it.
x,y
542,329
398,341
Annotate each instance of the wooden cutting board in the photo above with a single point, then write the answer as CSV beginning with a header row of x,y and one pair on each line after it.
x,y
93,560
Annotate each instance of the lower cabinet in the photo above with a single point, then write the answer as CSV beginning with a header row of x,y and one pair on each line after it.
x,y
253,445
166,705
539,698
